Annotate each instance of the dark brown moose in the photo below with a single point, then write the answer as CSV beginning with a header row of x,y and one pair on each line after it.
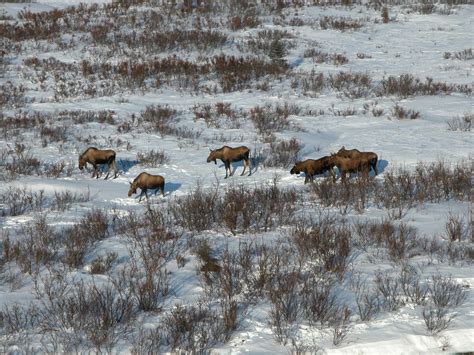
x,y
96,157
371,157
311,167
228,155
350,165
146,181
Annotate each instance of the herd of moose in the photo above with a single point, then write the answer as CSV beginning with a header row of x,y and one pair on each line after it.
x,y
346,161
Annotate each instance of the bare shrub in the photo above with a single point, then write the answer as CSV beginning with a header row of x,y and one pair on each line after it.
x,y
81,117
147,341
462,123
276,206
98,316
11,95
209,263
330,194
63,200
398,192
388,288
373,108
102,264
436,319
50,134
153,241
195,211
56,170
406,85
283,153
349,111
268,261
319,300
235,213
194,328
149,287
158,118
99,33
37,245
465,54
152,158
439,180
424,8
92,228
19,161
455,228
229,311
18,201
16,321
269,119
323,241
352,85
240,22
284,297
361,55
312,84
341,23
263,42
340,324
412,287
221,115
237,73
321,57
262,208
401,113
368,302
401,243
446,293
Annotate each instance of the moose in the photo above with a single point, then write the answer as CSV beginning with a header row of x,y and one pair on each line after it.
x,y
371,157
311,167
350,165
228,155
146,181
96,157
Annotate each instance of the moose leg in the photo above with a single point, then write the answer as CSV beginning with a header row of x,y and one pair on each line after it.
x,y
227,167
94,171
245,167
162,188
141,195
108,171
116,171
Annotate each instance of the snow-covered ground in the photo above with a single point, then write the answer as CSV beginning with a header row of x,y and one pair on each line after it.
x,y
410,43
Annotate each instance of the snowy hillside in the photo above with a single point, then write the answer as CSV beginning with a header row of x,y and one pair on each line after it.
x,y
262,263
